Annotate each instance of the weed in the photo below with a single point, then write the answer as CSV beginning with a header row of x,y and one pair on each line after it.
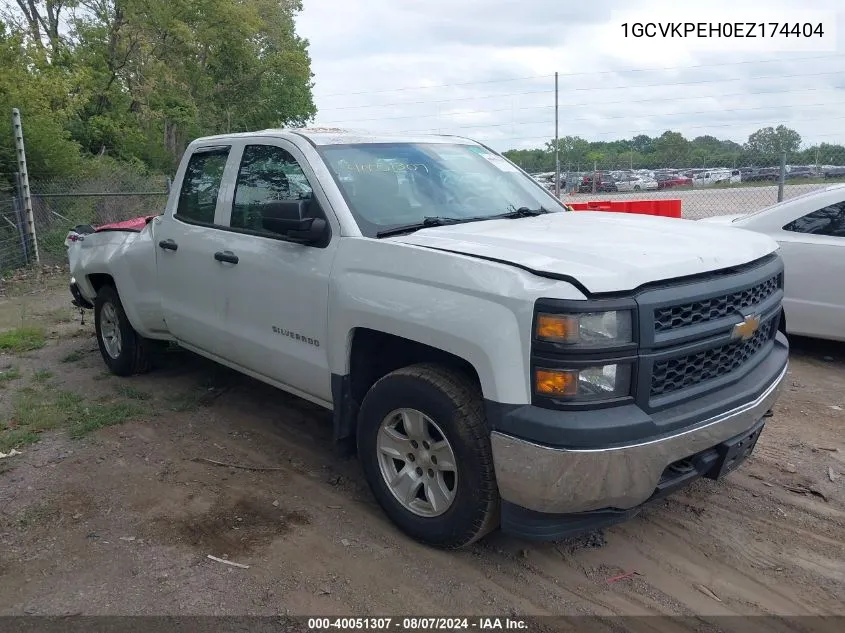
x,y
128,391
74,356
42,375
22,339
38,409
9,373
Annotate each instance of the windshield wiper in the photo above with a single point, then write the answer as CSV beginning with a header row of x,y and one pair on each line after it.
x,y
523,212
428,222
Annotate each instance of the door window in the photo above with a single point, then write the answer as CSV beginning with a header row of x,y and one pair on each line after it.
x,y
201,185
267,174
827,221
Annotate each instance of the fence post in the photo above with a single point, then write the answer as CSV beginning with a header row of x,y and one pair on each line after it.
x,y
782,177
23,192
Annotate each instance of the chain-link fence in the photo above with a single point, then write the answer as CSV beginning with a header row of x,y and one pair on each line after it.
x,y
60,204
14,245
741,184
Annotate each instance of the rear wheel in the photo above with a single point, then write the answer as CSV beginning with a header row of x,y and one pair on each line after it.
x,y
124,351
425,450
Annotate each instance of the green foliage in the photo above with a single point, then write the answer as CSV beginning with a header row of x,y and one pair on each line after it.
x,y
672,149
136,80
22,339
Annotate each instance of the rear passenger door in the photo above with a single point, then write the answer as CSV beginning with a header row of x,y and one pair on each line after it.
x,y
278,290
186,240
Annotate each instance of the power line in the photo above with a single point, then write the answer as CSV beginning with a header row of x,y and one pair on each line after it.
x,y
628,87
463,83
579,74
575,105
686,127
625,116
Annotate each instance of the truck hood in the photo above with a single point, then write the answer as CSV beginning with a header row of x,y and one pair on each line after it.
x,y
605,252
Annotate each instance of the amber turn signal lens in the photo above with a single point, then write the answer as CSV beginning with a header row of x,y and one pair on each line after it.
x,y
555,327
548,382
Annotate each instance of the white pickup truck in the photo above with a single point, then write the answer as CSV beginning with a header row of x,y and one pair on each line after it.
x,y
495,358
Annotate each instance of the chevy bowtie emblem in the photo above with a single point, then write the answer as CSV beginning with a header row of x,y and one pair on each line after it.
x,y
747,328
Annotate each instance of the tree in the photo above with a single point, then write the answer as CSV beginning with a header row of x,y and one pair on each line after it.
x,y
769,141
144,77
46,106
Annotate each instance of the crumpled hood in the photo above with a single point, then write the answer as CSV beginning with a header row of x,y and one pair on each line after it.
x,y
605,252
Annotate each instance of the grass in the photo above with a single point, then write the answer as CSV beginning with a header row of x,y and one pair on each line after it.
x,y
9,373
74,357
22,339
37,409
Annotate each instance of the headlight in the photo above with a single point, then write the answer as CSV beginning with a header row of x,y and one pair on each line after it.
x,y
588,329
601,382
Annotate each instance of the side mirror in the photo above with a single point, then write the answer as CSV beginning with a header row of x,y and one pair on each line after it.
x,y
289,218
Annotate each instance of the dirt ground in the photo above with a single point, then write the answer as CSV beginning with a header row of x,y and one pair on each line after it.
x,y
111,513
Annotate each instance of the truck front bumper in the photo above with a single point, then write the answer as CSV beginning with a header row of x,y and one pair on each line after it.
x,y
551,492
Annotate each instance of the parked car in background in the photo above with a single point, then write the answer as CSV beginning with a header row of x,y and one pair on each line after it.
x,y
636,183
604,183
716,177
801,171
834,172
811,232
745,172
667,181
763,173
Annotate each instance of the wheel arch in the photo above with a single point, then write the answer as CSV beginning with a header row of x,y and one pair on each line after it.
x,y
372,355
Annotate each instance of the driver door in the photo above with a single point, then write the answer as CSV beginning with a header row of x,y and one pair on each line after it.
x,y
277,291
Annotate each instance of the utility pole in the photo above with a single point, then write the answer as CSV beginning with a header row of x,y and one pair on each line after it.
x,y
24,193
557,145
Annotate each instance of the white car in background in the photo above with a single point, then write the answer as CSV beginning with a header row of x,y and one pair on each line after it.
x,y
716,177
811,232
635,183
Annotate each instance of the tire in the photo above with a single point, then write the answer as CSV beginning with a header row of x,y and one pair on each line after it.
x,y
125,352
453,403
636,187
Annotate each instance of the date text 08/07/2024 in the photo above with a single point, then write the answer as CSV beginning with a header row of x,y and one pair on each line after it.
x,y
723,29
416,623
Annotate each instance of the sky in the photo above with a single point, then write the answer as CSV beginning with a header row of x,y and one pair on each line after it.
x,y
485,68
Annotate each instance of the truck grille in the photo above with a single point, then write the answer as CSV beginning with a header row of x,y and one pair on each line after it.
x,y
673,317
686,371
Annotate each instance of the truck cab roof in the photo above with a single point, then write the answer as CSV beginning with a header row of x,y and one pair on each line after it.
x,y
340,136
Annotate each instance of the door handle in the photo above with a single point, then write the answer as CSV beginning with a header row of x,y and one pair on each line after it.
x,y
226,256
168,245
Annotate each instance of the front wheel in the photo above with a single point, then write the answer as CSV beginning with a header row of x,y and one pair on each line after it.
x,y
636,187
425,450
124,351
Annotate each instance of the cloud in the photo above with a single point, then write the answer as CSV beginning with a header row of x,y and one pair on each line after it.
x,y
485,69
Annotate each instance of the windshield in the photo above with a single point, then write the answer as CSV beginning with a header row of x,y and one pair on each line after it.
x,y
389,185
